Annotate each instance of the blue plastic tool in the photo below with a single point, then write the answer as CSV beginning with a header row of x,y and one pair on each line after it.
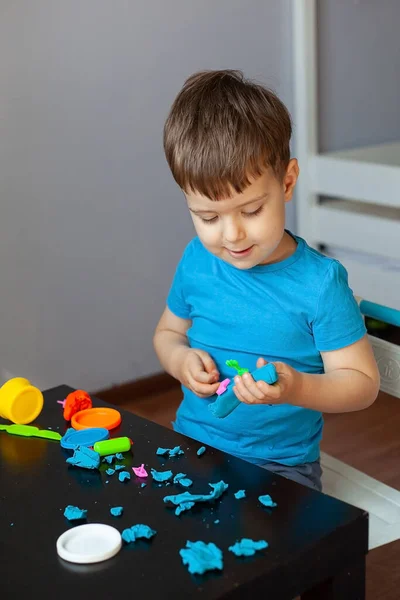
x,y
83,437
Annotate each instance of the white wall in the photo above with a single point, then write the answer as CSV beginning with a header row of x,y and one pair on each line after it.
x,y
91,222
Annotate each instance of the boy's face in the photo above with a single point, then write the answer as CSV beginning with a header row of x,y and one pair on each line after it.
x,y
248,228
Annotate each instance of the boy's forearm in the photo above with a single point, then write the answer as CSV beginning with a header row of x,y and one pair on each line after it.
x,y
343,390
170,347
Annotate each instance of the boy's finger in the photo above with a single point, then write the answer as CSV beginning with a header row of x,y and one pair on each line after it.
x,y
251,387
203,389
208,363
212,377
240,397
244,392
272,392
197,371
202,377
280,367
261,362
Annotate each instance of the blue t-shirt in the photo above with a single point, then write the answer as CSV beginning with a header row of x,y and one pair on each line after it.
x,y
288,311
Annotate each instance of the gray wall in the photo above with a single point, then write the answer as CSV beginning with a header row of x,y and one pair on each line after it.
x,y
91,223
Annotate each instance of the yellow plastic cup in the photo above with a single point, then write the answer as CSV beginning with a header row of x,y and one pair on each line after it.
x,y
20,401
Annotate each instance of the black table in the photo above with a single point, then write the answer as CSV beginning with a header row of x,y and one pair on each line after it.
x,y
317,545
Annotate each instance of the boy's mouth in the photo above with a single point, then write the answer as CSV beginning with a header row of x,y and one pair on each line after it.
x,y
240,253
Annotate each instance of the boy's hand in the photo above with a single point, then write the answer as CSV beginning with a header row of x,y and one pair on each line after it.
x,y
259,392
199,373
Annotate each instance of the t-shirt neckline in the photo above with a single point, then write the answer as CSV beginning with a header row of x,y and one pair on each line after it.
x,y
276,266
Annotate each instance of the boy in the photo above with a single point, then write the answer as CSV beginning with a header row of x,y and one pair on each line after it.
x,y
249,290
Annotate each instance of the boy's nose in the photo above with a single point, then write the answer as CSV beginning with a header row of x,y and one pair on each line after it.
x,y
233,231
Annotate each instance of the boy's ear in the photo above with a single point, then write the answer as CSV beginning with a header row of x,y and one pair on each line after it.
x,y
290,179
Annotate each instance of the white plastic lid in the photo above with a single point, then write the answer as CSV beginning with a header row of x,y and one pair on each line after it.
x,y
90,543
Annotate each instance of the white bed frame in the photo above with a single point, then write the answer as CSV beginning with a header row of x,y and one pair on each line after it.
x,y
364,184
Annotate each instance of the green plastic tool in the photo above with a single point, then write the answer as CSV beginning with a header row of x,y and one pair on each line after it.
x,y
31,431
235,365
107,447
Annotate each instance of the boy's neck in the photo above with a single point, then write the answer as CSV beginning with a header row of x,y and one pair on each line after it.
x,y
286,247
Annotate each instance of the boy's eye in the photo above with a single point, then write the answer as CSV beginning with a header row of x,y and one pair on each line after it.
x,y
254,213
209,220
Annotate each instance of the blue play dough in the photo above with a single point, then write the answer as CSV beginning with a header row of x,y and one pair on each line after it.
x,y
247,547
119,456
110,472
223,405
136,532
183,480
177,451
200,557
162,451
161,476
117,511
109,459
182,501
85,458
124,476
119,467
201,450
183,506
73,513
240,494
85,437
267,501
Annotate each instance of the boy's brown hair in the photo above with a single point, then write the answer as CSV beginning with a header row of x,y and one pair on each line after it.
x,y
223,130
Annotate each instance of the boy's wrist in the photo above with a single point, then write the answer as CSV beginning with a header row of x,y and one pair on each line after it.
x,y
297,392
176,361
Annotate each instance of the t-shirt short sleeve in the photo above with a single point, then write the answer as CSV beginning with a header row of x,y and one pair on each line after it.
x,y
338,322
176,300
